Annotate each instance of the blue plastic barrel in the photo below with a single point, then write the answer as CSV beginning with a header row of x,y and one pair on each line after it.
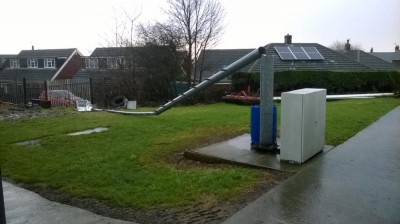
x,y
255,124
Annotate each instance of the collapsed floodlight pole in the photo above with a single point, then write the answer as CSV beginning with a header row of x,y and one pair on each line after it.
x,y
267,140
228,70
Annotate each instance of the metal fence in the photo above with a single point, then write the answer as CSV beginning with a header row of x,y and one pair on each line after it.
x,y
19,91
58,92
65,92
61,93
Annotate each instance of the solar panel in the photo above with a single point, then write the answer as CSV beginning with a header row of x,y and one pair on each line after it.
x,y
315,56
313,53
301,56
310,49
296,49
287,56
298,53
285,53
282,49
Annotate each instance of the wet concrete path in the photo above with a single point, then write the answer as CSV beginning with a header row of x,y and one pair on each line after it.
x,y
23,206
356,182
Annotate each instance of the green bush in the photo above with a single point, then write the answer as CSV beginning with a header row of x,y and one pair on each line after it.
x,y
334,82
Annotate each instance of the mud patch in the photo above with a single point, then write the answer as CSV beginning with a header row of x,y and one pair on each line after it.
x,y
14,112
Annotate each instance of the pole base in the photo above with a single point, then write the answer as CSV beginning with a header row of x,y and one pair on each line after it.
x,y
265,148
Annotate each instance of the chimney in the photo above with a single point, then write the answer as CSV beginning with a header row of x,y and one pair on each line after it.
x,y
288,39
33,48
372,50
396,49
347,45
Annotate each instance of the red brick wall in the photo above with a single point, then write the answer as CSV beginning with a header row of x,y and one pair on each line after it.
x,y
71,68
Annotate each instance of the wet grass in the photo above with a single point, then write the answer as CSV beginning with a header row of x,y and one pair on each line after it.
x,y
130,164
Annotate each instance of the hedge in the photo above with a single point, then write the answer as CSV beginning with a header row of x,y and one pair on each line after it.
x,y
334,82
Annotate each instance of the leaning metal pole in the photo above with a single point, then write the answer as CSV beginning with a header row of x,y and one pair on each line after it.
x,y
228,70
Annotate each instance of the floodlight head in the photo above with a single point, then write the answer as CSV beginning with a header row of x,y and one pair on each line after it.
x,y
262,50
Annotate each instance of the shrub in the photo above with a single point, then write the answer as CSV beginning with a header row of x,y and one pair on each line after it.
x,y
334,82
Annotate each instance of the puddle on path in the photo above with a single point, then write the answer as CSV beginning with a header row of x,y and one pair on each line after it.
x,y
90,131
35,142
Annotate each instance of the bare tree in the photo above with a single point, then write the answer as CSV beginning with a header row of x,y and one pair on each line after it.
x,y
164,55
116,60
341,45
160,34
200,23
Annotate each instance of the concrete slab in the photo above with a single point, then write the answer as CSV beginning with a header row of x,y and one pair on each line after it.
x,y
237,151
23,206
356,182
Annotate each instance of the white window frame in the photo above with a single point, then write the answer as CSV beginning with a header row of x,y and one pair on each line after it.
x,y
92,63
120,62
14,63
49,63
112,63
115,63
4,86
32,63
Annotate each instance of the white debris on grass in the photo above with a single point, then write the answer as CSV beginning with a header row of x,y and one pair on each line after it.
x,y
90,131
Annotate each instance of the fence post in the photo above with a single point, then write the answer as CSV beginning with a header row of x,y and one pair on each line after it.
x,y
91,90
2,207
17,99
45,91
24,88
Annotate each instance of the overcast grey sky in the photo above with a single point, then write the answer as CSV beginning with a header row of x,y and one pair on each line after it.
x,y
87,24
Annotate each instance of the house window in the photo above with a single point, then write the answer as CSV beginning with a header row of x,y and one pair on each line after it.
x,y
49,63
114,63
14,63
91,63
121,62
32,63
4,88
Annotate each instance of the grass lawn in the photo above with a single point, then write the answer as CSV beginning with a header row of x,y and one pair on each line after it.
x,y
130,164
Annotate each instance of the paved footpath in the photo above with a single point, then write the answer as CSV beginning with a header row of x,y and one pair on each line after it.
x,y
23,206
356,182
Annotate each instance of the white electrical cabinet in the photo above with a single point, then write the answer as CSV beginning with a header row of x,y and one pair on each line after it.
x,y
302,124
